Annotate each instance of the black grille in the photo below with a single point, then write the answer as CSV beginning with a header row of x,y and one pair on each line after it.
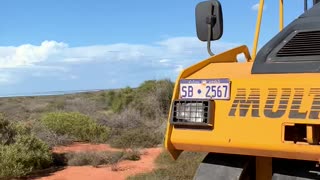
x,y
191,112
302,44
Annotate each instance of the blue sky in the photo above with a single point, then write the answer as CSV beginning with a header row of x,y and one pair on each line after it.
x,y
64,45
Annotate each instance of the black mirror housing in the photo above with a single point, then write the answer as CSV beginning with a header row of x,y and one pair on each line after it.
x,y
209,12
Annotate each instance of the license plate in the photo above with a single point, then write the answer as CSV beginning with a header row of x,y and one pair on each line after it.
x,y
214,89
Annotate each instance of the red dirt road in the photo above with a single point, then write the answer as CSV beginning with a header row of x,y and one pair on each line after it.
x,y
124,169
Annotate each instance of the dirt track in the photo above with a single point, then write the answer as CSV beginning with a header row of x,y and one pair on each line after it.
x,y
124,169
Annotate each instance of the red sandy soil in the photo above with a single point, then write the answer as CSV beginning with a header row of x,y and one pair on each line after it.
x,y
123,170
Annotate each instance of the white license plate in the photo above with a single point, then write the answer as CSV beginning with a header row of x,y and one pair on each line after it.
x,y
214,89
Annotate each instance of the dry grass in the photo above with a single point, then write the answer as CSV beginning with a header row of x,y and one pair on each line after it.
x,y
101,158
182,169
93,158
132,155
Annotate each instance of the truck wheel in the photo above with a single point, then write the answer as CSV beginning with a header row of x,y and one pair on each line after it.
x,y
225,167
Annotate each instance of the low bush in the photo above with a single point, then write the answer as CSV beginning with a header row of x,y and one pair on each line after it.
x,y
49,136
136,138
24,156
121,100
81,105
76,125
38,129
182,169
100,158
132,155
128,119
7,131
153,98
20,151
58,104
93,158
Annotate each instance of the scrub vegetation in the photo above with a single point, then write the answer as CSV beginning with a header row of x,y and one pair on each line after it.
x,y
128,118
21,152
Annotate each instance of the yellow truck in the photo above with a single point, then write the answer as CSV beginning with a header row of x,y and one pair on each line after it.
x,y
257,119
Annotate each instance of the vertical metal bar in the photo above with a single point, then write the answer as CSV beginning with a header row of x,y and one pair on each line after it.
x,y
258,25
281,14
263,168
305,5
310,137
313,134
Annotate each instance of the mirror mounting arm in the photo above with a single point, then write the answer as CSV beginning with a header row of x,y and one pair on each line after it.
x,y
210,22
209,41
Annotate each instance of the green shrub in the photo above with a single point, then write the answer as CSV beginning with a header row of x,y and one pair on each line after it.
x,y
27,154
7,131
77,125
136,138
20,152
120,100
109,98
23,127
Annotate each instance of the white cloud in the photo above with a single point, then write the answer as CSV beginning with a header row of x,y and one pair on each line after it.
x,y
255,7
54,52
28,55
52,58
164,60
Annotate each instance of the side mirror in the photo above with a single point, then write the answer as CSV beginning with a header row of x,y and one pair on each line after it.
x,y
209,20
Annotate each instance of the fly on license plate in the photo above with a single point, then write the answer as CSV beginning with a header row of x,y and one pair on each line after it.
x,y
214,89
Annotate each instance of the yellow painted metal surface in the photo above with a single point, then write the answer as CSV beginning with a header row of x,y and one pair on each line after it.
x,y
313,134
257,33
257,135
281,15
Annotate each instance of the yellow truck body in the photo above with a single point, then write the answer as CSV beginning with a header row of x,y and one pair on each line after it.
x,y
272,100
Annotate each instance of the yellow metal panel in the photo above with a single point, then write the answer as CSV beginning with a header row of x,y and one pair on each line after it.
x,y
228,56
310,138
313,134
257,135
281,14
258,25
